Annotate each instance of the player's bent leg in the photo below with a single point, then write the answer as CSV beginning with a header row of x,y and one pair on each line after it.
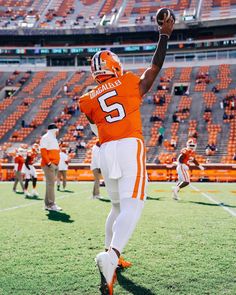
x,y
34,192
15,183
26,192
123,228
184,184
115,211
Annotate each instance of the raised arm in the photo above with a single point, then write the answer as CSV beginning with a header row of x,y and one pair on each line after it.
x,y
158,58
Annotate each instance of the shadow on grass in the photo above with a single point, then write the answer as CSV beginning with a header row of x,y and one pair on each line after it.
x,y
104,200
132,288
59,216
19,193
211,204
34,198
68,191
65,191
153,199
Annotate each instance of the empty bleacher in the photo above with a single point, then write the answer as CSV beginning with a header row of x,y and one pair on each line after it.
x,y
207,113
87,13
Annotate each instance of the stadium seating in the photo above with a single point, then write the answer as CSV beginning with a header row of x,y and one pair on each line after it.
x,y
209,126
87,13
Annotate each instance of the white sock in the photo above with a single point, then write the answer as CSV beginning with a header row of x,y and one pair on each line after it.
x,y
123,227
115,211
113,256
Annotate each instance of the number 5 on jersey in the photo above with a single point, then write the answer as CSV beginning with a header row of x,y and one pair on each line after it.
x,y
103,99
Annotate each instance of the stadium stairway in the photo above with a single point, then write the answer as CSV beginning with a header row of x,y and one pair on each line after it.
x,y
17,126
10,109
73,119
55,110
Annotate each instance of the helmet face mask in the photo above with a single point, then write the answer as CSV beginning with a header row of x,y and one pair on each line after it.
x,y
191,144
105,65
20,151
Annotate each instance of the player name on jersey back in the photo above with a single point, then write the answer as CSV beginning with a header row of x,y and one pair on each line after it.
x,y
104,87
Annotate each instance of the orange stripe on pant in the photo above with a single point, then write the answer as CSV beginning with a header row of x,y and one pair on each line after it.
x,y
141,172
184,174
144,174
137,181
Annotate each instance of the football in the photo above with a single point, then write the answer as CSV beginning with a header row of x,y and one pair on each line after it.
x,y
160,15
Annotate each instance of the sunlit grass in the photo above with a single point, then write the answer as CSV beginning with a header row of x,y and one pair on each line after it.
x,y
184,248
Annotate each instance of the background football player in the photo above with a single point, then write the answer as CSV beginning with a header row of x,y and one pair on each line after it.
x,y
186,156
62,168
29,171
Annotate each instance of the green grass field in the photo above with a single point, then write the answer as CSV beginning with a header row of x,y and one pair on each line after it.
x,y
186,247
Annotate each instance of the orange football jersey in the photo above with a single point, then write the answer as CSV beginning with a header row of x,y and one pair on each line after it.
x,y
114,106
31,155
187,155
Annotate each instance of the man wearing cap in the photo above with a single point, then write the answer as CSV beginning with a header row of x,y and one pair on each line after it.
x,y
50,153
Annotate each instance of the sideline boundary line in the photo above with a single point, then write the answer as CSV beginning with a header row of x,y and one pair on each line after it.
x,y
232,212
32,204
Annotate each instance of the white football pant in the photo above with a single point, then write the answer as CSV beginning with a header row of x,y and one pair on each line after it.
x,y
183,173
124,171
29,173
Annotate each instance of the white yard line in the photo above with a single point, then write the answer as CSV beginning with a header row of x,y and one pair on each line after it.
x,y
232,212
33,203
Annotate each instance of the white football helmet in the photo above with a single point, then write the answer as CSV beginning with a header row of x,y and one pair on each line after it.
x,y
191,144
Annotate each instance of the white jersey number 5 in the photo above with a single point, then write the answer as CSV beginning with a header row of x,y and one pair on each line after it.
x,y
109,108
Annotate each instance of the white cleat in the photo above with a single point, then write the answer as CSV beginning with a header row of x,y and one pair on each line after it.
x,y
27,194
35,193
175,194
95,197
53,208
107,270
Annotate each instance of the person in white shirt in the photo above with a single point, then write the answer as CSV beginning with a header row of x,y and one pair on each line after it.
x,y
62,169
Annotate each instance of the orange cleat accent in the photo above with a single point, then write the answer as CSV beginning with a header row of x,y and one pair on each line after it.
x,y
122,263
110,286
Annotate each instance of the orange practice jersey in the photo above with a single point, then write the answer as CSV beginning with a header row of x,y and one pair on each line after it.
x,y
187,155
114,106
20,161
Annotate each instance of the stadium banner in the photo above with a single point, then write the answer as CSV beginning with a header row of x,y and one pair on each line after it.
x,y
156,172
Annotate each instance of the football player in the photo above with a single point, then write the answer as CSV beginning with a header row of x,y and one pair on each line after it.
x,y
62,168
114,107
187,154
29,171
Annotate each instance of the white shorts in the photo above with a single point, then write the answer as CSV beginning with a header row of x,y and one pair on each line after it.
x,y
95,163
183,173
29,173
123,166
